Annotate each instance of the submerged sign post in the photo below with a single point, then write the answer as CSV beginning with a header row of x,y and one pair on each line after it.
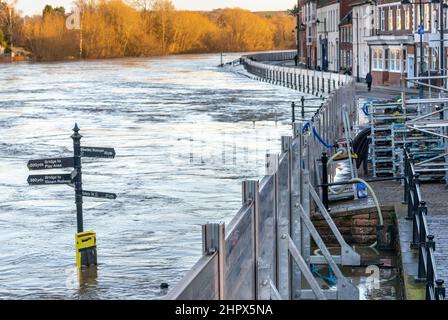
x,y
85,241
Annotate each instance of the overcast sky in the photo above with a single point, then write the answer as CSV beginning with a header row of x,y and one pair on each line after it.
x,y
35,6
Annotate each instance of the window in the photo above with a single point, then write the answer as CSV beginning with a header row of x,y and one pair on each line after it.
x,y
383,20
378,59
391,19
407,18
428,17
399,24
395,60
434,58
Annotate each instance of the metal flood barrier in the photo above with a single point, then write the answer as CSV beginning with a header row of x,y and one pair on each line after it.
x,y
308,81
265,253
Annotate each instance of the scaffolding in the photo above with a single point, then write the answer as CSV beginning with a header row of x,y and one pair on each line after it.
x,y
418,125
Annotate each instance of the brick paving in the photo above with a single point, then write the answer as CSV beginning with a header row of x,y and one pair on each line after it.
x,y
436,197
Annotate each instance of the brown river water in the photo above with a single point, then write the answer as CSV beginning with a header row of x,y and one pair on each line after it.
x,y
186,134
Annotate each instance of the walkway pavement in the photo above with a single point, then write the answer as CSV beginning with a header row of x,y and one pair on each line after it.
x,y
435,194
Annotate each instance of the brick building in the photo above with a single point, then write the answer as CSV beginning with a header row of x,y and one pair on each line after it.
x,y
308,9
346,44
392,44
395,49
345,37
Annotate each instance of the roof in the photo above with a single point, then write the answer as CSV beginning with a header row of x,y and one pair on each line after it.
x,y
362,2
347,19
324,3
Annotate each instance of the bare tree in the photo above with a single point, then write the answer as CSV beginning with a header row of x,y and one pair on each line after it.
x,y
144,5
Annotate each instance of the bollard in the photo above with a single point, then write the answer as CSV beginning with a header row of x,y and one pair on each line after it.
x,y
293,110
324,160
302,101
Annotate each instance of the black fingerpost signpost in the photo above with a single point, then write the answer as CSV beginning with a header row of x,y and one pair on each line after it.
x,y
86,253
78,178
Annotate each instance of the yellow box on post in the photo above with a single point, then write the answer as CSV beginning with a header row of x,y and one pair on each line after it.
x,y
86,249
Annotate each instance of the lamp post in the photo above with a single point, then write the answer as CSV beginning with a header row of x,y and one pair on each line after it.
x,y
298,30
357,47
442,39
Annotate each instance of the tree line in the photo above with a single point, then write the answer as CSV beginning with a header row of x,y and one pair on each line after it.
x,y
135,28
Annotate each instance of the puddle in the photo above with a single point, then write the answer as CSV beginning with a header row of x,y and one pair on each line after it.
x,y
378,277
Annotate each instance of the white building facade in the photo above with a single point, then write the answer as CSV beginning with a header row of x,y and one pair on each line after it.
x,y
328,18
364,21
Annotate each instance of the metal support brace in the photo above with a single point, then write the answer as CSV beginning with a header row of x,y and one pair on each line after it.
x,y
349,257
275,295
304,267
346,290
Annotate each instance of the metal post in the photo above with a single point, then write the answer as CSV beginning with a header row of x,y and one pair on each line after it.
x,y
324,160
442,46
78,179
298,32
213,241
430,245
251,196
406,177
422,24
293,110
302,101
440,290
283,218
357,46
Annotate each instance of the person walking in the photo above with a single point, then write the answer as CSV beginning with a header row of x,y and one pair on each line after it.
x,y
369,81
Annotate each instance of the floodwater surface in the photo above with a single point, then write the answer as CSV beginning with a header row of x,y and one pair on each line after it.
x,y
186,134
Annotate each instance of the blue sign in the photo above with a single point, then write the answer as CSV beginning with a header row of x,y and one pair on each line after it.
x,y
421,29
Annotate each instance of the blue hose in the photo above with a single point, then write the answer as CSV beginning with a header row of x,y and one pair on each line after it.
x,y
316,134
306,126
330,279
364,109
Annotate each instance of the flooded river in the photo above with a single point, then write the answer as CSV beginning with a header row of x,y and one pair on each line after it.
x,y
186,134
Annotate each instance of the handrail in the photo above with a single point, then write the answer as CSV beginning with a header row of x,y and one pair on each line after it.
x,y
422,240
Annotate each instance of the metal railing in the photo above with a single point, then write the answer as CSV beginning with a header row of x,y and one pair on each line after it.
x,y
422,240
305,80
265,251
